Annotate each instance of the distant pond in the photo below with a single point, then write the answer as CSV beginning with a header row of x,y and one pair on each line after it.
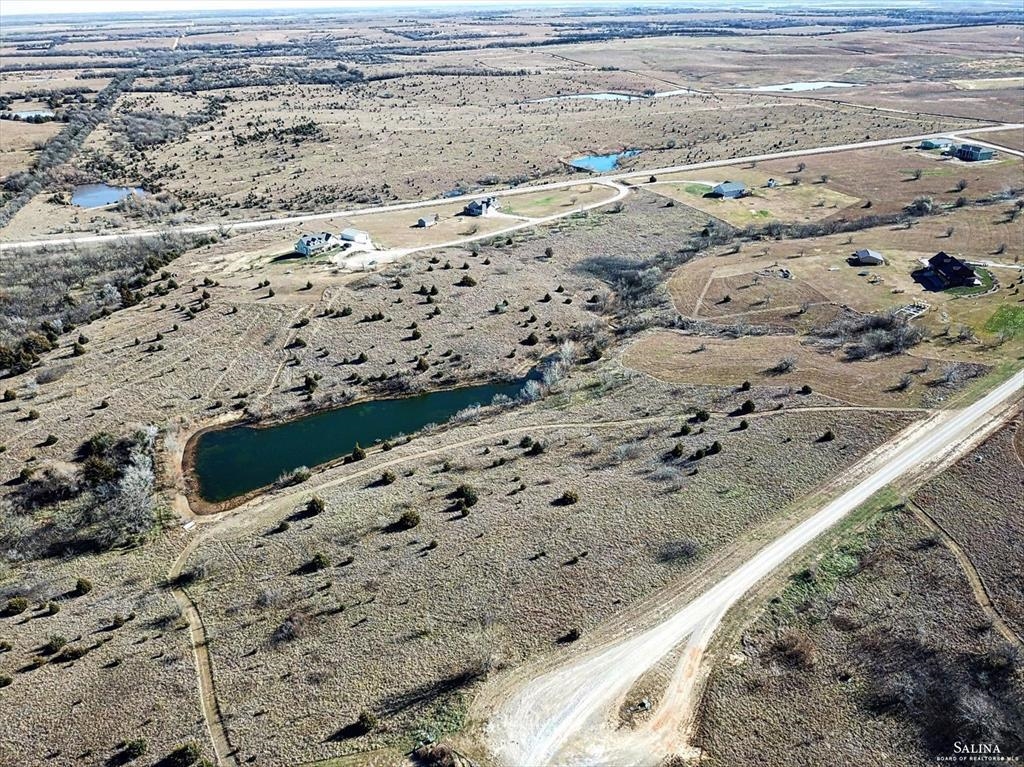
x,y
26,114
236,460
814,85
99,195
592,97
601,163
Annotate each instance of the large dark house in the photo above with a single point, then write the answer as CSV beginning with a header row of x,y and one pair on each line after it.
x,y
946,271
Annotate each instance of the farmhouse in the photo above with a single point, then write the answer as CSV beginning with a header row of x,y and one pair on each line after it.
x,y
936,143
309,244
426,221
866,257
946,271
730,189
973,153
480,207
355,236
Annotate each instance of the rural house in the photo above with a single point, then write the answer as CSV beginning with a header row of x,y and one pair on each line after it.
x,y
480,207
866,257
309,244
946,271
731,189
973,153
936,143
355,236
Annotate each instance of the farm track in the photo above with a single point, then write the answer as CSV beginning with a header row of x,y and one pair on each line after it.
x,y
981,593
609,179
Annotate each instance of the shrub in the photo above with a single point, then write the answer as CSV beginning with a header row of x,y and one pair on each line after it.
x,y
568,498
715,448
319,562
467,494
677,551
315,505
358,453
387,478
51,439
15,606
796,649
526,442
805,389
535,449
747,407
367,722
466,282
10,395
133,749
408,520
5,681
55,643
745,386
744,424
82,587
828,436
701,416
52,608
183,756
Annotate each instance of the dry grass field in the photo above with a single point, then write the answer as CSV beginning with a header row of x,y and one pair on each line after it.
x,y
705,368
884,646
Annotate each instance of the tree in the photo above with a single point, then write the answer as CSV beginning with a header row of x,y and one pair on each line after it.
x,y
747,407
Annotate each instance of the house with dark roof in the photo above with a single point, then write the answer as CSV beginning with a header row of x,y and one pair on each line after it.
x,y
730,189
973,153
480,207
945,271
309,244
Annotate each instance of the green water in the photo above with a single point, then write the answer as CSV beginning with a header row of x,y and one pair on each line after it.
x,y
232,461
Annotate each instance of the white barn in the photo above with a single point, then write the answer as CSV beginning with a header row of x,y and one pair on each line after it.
x,y
356,236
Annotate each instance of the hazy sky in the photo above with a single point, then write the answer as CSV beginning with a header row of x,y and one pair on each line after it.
x,y
18,7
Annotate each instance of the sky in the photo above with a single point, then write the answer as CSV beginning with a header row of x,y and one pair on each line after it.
x,y
65,7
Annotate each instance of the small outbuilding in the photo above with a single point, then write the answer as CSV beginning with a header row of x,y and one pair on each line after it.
x,y
867,257
729,189
973,153
355,236
936,143
309,244
426,221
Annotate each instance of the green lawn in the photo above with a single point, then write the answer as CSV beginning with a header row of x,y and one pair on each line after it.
x,y
1006,319
987,280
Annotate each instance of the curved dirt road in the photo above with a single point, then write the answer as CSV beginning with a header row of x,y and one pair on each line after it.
x,y
563,717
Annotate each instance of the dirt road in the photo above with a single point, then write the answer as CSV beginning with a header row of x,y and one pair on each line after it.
x,y
634,175
565,716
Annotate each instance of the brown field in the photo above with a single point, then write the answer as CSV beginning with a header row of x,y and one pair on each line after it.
x,y
853,638
673,357
647,310
20,143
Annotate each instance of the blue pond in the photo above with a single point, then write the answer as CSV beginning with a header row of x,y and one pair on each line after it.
x,y
98,195
601,163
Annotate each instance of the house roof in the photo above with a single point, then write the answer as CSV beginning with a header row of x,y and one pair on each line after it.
x,y
868,253
951,268
353,234
312,239
730,186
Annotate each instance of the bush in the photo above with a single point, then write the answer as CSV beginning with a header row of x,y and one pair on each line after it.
x,y
5,681
466,494
747,407
408,520
318,562
183,756
828,436
568,498
15,606
535,449
358,453
314,506
367,722
82,587
387,478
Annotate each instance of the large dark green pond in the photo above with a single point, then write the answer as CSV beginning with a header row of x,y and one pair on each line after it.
x,y
232,461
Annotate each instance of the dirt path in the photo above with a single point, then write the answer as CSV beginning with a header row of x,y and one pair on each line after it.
x,y
981,592
225,755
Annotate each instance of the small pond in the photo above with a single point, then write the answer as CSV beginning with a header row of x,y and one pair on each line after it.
x,y
592,97
601,163
233,461
25,114
98,195
815,85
